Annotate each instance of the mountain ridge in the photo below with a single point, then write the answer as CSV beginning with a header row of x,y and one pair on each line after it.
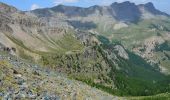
x,y
119,11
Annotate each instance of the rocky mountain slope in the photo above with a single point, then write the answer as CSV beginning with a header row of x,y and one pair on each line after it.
x,y
146,28
20,79
107,47
23,80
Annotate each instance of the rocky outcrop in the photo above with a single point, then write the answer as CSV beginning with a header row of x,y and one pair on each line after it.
x,y
121,51
30,22
149,47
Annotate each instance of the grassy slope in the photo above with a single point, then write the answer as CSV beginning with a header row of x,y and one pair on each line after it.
x,y
137,32
164,96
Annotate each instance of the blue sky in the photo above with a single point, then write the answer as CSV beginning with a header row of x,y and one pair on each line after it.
x,y
163,5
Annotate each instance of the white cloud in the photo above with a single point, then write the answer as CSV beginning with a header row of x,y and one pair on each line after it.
x,y
35,6
57,2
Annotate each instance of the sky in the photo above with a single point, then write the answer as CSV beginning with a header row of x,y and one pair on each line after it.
x,y
25,5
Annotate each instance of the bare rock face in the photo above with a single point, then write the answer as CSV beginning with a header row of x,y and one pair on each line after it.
x,y
148,48
126,11
121,51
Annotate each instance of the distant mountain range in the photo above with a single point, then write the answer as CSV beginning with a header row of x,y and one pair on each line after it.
x,y
125,11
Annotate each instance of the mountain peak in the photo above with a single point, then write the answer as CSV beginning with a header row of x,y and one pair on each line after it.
x,y
149,4
149,7
125,11
123,3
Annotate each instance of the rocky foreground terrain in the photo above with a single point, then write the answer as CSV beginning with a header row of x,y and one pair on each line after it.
x,y
20,80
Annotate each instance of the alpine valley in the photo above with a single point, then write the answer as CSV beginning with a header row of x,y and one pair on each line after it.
x,y
121,51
